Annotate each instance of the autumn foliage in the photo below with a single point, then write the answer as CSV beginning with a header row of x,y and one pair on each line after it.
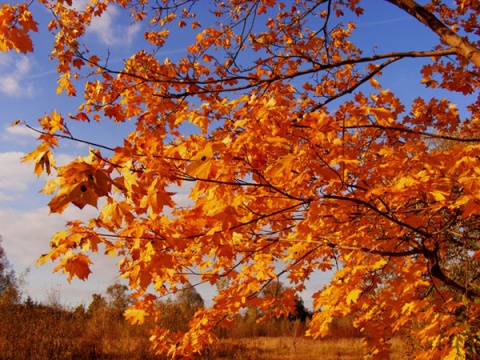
x,y
300,162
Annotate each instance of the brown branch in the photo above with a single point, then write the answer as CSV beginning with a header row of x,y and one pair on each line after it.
x,y
378,211
70,137
394,56
375,251
411,131
461,45
436,272
358,84
253,82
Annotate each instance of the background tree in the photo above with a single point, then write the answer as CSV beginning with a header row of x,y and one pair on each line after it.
x,y
97,305
301,312
190,301
175,314
118,297
9,288
302,160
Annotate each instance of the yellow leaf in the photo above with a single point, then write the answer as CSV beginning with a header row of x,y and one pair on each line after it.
x,y
458,349
438,195
201,164
408,308
157,198
353,296
282,166
83,195
43,159
383,116
52,123
136,316
374,83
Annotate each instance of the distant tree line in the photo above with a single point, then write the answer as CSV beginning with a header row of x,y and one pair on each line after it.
x,y
33,330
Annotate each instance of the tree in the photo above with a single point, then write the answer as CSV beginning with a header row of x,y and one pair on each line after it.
x,y
175,314
190,301
118,297
302,160
97,305
9,291
301,312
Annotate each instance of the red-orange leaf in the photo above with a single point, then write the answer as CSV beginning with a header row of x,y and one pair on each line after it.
x,y
76,265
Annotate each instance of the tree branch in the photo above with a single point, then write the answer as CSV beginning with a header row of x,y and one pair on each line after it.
x,y
375,251
461,45
410,131
253,82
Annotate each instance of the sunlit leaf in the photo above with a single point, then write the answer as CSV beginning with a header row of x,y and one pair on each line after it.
x,y
201,163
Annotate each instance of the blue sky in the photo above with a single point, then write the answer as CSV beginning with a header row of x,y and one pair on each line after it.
x,y
28,90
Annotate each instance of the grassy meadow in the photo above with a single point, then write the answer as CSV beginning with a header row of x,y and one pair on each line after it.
x,y
285,348
36,331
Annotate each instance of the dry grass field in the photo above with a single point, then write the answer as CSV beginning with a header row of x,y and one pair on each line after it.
x,y
286,348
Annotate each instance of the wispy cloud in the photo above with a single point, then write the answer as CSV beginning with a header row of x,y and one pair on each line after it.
x,y
111,30
15,177
26,235
17,137
17,180
27,226
14,71
383,22
16,132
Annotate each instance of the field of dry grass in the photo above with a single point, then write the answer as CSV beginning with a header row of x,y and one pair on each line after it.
x,y
286,348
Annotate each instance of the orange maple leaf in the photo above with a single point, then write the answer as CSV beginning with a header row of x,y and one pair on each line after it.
x,y
75,265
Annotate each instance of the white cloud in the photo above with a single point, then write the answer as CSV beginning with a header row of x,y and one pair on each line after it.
x,y
110,30
63,159
26,233
26,236
23,65
18,136
6,198
132,31
15,177
14,69
17,132
27,228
